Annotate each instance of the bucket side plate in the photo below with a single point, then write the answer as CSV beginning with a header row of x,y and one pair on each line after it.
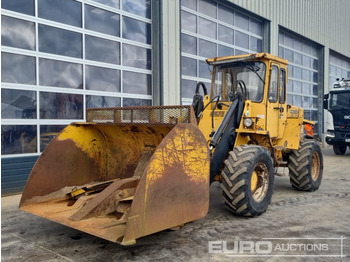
x,y
174,188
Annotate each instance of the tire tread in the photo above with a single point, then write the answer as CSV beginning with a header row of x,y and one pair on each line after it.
x,y
234,186
300,164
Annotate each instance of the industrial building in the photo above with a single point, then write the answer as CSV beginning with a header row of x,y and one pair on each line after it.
x,y
59,57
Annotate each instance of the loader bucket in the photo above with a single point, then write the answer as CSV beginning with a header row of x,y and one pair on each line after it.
x,y
124,174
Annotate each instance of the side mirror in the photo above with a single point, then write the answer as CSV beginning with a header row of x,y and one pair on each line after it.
x,y
325,101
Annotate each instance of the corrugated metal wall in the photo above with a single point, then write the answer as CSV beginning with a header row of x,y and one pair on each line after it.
x,y
326,22
14,173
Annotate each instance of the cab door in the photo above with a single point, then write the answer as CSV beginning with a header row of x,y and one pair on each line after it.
x,y
282,102
276,104
272,108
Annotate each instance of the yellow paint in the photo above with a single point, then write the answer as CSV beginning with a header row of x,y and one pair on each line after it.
x,y
205,124
278,155
259,56
180,153
254,181
86,137
291,134
77,192
305,121
241,139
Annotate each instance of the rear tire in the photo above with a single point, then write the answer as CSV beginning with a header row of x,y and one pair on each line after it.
x,y
248,177
339,149
306,166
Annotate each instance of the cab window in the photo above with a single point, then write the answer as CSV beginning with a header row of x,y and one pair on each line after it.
x,y
273,88
282,86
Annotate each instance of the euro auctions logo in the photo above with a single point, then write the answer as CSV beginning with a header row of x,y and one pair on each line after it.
x,y
279,247
240,247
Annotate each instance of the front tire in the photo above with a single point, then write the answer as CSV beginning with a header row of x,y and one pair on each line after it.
x,y
248,178
339,149
306,166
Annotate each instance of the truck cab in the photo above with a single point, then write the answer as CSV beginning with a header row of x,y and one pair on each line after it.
x,y
337,102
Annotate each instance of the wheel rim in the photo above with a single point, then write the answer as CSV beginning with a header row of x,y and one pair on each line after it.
x,y
254,181
315,170
259,182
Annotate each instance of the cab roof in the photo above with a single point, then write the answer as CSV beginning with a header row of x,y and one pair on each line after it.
x,y
246,57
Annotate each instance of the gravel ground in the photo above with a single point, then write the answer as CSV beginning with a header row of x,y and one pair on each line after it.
x,y
292,214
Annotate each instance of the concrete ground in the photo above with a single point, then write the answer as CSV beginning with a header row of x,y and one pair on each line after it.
x,y
299,216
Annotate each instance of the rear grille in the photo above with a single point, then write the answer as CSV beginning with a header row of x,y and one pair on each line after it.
x,y
150,115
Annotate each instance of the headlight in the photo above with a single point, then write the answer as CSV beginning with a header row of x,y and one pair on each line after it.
x,y
330,133
248,122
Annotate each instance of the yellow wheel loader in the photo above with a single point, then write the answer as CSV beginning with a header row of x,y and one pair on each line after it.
x,y
129,172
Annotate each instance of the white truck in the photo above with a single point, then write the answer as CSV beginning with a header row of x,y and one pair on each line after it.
x,y
337,102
